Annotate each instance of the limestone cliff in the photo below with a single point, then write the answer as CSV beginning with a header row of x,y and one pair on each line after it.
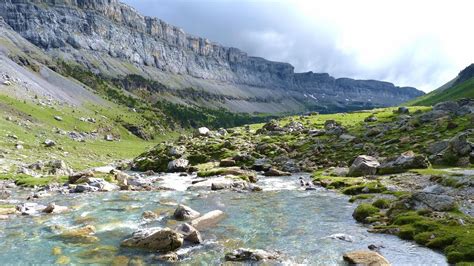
x,y
114,39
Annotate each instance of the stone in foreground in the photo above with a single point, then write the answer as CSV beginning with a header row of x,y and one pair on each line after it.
x,y
190,233
364,165
243,254
363,257
155,239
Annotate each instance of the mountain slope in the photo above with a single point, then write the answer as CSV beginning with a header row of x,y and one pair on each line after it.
x,y
113,39
460,87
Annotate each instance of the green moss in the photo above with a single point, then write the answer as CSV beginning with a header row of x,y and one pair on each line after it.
x,y
363,211
30,181
361,197
370,187
381,203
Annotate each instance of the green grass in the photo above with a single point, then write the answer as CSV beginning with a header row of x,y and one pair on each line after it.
x,y
463,90
30,181
79,155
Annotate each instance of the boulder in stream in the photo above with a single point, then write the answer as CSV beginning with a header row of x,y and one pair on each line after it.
x,y
155,239
244,254
209,219
363,257
184,212
190,233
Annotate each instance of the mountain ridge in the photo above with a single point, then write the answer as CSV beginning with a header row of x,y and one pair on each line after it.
x,y
112,38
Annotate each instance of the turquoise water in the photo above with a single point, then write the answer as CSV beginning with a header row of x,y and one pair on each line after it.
x,y
282,217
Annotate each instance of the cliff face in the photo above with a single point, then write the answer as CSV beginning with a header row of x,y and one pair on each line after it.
x,y
98,33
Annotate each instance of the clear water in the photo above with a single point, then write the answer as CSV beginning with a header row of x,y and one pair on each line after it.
x,y
282,217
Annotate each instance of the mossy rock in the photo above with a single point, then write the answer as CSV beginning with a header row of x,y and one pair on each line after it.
x,y
382,203
371,187
363,211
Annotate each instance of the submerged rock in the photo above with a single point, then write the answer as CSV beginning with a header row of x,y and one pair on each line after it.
x,y
184,212
155,239
364,257
342,237
243,254
79,235
167,257
364,165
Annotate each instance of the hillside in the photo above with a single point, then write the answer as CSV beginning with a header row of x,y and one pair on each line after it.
x,y
114,40
461,87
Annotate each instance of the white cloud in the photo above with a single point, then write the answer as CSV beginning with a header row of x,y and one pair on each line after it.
x,y
410,43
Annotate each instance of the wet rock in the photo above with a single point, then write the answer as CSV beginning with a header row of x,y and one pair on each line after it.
x,y
5,194
364,257
407,160
275,172
79,235
149,215
178,165
342,237
102,185
190,233
30,208
261,165
80,176
207,220
364,165
53,208
243,254
155,239
168,257
184,212
81,188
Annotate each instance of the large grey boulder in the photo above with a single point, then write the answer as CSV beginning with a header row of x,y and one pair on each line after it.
x,y
435,202
407,160
449,106
155,239
184,212
364,165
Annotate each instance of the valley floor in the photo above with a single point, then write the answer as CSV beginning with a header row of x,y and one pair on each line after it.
x,y
408,172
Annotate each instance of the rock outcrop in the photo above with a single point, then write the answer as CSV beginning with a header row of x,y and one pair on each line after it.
x,y
110,37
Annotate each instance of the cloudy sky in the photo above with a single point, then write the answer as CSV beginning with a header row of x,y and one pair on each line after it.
x,y
410,43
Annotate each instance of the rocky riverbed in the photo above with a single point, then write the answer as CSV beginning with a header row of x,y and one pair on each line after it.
x,y
284,222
